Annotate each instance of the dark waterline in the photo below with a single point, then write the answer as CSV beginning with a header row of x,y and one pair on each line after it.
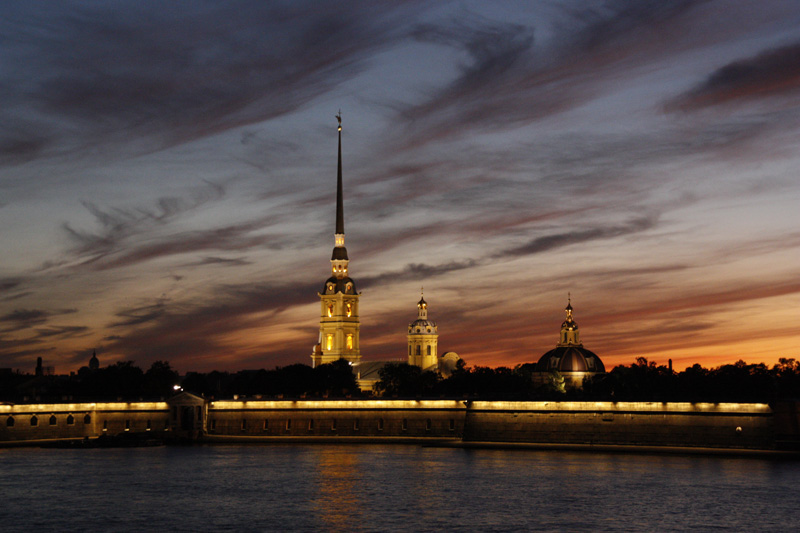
x,y
390,488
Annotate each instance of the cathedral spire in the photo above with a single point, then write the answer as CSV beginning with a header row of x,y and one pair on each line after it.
x,y
339,323
339,198
339,251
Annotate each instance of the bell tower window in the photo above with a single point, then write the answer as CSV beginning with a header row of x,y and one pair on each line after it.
x,y
349,309
329,344
349,341
330,310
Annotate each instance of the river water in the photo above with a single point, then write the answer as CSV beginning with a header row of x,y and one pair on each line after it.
x,y
390,488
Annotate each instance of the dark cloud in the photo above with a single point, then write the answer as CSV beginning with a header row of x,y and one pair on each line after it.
x,y
20,147
221,261
15,353
770,73
176,72
416,271
139,315
559,240
190,335
16,296
616,22
23,319
230,238
61,332
6,284
509,82
115,244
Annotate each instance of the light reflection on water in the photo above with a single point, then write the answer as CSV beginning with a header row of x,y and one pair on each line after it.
x,y
389,488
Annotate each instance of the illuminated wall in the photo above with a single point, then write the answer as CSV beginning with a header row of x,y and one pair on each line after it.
x,y
724,425
338,418
78,420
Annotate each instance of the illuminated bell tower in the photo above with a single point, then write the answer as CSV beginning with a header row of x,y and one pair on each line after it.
x,y
569,329
339,324
423,339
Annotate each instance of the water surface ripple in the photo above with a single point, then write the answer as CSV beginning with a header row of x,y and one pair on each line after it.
x,y
390,488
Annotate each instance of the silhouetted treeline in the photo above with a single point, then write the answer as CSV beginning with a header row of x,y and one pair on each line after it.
x,y
126,382
404,380
331,380
737,382
641,381
120,381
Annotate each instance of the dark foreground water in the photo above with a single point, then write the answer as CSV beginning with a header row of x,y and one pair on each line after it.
x,y
390,488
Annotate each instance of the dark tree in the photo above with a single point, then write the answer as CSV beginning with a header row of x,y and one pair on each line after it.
x,y
160,380
402,379
334,379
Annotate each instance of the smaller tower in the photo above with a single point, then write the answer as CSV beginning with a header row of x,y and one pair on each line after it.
x,y
423,339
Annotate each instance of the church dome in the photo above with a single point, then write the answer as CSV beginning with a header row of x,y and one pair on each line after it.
x,y
422,326
569,355
570,359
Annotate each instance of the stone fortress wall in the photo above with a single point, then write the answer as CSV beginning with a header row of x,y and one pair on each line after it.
x,y
652,424
373,419
747,426
26,422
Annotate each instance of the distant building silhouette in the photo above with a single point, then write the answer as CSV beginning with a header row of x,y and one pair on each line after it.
x,y
94,362
43,370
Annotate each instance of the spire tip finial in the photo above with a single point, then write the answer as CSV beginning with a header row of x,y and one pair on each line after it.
x,y
339,118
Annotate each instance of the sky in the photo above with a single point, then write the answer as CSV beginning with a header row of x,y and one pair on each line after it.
x,y
168,178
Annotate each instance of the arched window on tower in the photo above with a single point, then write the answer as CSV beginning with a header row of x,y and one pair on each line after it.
x,y
429,349
419,350
349,309
329,344
409,350
330,310
349,341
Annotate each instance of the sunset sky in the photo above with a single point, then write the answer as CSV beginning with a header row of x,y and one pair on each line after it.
x,y
168,178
